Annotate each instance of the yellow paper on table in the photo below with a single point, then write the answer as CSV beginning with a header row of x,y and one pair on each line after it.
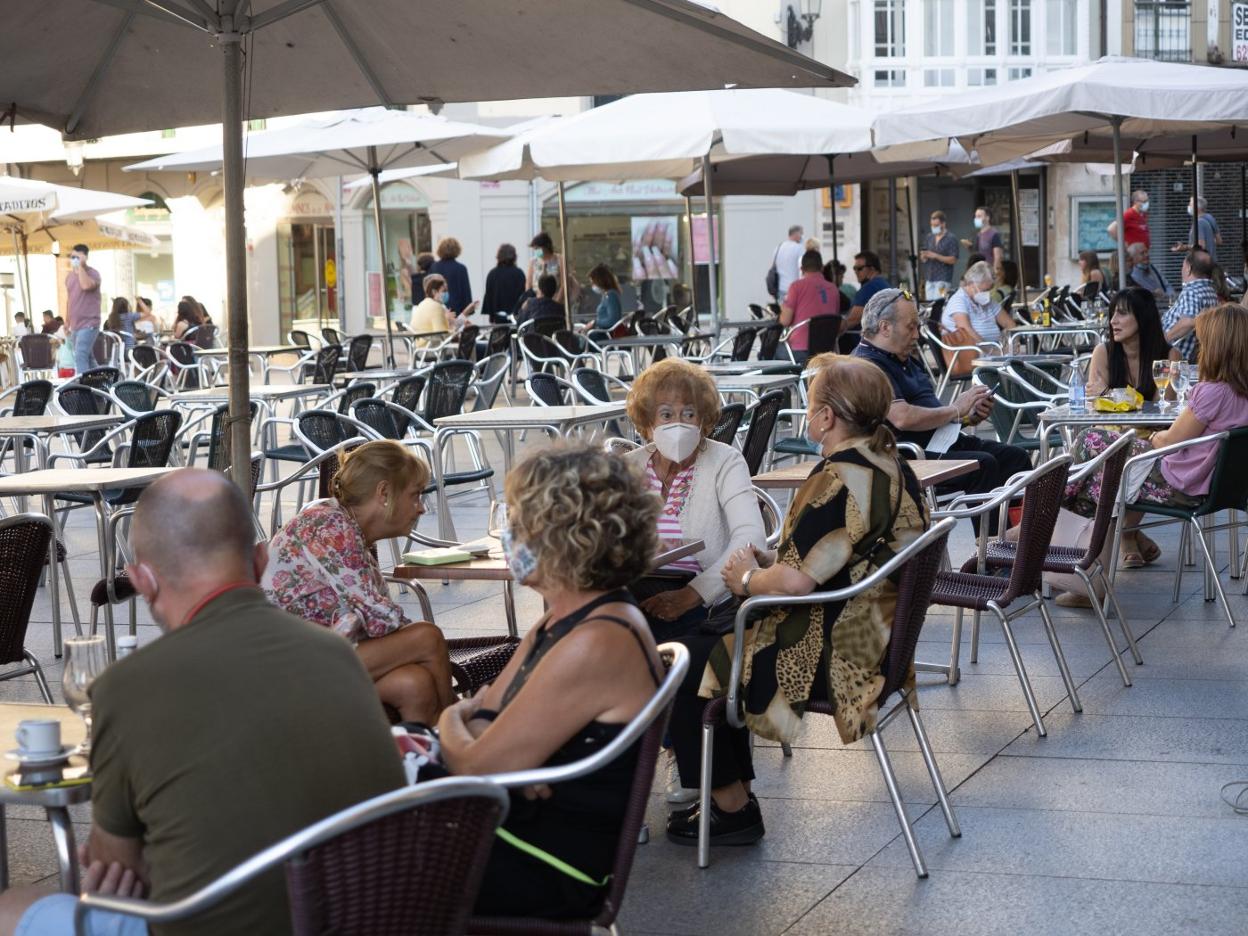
x,y
436,556
1122,400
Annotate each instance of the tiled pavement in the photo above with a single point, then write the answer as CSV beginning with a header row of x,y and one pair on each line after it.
x,y
1112,824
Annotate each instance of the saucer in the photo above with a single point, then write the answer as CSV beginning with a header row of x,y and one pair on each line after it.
x,y
42,759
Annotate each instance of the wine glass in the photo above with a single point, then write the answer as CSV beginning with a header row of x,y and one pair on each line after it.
x,y
85,659
1179,381
497,521
1161,377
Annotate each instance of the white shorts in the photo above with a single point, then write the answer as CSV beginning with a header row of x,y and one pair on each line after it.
x,y
54,916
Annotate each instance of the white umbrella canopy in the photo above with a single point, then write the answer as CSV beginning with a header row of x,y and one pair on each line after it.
x,y
95,233
356,141
438,171
95,67
63,202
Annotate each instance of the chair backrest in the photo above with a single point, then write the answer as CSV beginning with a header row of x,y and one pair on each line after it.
x,y
407,392
1228,488
768,341
447,389
99,378
387,421
357,391
358,351
135,395
756,310
914,592
547,326
571,342
549,390
32,398
77,400
539,347
591,383
414,867
466,346
145,356
219,440
104,347
325,362
762,427
1114,458
320,430
730,416
822,333
37,352
743,343
183,352
300,339
653,327
1042,500
499,341
24,542
491,373
152,439
331,335
203,336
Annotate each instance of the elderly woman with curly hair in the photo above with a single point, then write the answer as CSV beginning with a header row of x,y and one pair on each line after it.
x,y
582,526
704,487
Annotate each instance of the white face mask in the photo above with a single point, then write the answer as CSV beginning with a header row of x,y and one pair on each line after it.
x,y
936,229
1189,209
983,298
1143,206
979,222
597,289
677,441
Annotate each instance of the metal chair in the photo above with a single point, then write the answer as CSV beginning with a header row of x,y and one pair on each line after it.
x,y
302,339
134,397
323,365
542,355
74,399
491,375
345,398
730,416
407,392
331,336
763,417
466,343
35,355
99,378
24,542
1009,598
595,387
645,732
549,390
216,437
358,351
186,369
148,364
408,861
202,336
499,341
769,341
29,399
1017,406
108,349
914,568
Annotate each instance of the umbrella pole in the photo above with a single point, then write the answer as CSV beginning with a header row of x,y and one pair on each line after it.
x,y
832,202
711,239
1116,124
892,230
23,263
563,263
1243,216
912,198
693,296
1195,197
374,172
1018,238
239,419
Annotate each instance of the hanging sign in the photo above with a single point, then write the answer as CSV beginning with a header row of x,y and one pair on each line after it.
x,y
1239,32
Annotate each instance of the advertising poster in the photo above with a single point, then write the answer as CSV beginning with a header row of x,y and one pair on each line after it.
x,y
702,240
656,249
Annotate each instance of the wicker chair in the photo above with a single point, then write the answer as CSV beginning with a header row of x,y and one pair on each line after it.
x,y
757,442
99,378
134,397
743,344
549,390
466,343
321,368
331,335
499,341
646,730
148,364
491,374
408,861
407,392
185,367
914,568
24,542
35,354
73,399
144,442
29,399
543,356
730,416
1008,598
358,351
769,341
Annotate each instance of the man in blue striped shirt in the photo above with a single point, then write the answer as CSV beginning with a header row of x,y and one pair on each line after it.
x,y
1198,294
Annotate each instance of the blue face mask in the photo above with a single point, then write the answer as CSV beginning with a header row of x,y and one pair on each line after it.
x,y
444,297
520,559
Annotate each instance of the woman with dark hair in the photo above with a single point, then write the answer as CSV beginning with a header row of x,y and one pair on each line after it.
x,y
1135,340
1090,268
121,321
504,285
546,262
146,324
604,283
189,316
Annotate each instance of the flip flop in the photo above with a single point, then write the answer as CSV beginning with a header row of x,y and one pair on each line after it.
x,y
1131,560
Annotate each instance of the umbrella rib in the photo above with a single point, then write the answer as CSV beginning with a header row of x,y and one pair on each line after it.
x,y
360,62
93,83
157,11
280,12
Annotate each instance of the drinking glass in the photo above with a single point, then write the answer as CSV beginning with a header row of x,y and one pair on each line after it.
x,y
497,521
1179,381
1161,377
85,659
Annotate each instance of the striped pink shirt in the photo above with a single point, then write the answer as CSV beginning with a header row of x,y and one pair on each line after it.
x,y
670,534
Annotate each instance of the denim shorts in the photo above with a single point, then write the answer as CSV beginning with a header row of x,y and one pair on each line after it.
x,y
54,916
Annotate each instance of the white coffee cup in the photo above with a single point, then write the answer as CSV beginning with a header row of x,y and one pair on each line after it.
x,y
39,736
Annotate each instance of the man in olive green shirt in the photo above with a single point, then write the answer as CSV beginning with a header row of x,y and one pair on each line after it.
x,y
240,726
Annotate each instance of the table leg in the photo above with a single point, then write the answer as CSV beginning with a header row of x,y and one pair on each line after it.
x,y
443,503
54,576
4,851
63,835
509,606
104,543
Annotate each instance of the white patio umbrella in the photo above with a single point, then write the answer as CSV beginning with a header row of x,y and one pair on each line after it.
x,y
670,136
96,67
1122,100
372,141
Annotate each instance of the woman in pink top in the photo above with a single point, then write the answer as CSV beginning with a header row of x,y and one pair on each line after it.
x,y
808,297
1219,402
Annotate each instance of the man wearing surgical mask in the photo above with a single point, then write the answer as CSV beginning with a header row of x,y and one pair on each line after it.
x,y
1134,224
939,254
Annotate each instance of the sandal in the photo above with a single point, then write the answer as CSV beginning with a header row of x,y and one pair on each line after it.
x,y
1150,552
1131,560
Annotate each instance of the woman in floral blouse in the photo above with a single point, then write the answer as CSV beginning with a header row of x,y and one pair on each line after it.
x,y
322,567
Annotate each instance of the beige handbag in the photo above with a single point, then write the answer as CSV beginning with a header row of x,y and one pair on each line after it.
x,y
1072,530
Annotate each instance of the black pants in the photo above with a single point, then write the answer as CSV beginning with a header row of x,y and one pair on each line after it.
x,y
731,760
650,585
997,462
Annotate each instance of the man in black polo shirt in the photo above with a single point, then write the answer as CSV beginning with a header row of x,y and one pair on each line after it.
x,y
890,334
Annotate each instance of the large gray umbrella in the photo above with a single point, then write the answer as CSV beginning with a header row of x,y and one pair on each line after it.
x,y
95,67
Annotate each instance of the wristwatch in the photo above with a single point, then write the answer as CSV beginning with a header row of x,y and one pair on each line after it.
x,y
745,580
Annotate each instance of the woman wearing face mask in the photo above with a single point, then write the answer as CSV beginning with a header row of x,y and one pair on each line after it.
x,y
431,316
705,489
607,288
582,525
970,311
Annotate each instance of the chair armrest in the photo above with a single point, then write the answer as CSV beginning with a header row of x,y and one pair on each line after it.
x,y
1094,465
841,594
103,441
1148,458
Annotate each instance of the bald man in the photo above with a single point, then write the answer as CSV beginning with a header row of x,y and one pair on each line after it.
x,y
241,725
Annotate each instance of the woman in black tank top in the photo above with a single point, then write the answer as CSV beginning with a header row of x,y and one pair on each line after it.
x,y
582,527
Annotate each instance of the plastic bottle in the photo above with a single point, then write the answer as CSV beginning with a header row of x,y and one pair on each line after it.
x,y
126,645
1078,392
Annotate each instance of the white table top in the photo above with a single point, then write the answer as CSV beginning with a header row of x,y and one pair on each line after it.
x,y
725,368
377,373
642,341
258,392
522,417
758,382
261,349
51,424
78,480
1150,414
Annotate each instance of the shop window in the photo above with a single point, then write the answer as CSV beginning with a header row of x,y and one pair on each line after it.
x,y
890,29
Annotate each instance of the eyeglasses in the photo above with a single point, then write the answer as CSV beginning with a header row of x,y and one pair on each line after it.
x,y
859,269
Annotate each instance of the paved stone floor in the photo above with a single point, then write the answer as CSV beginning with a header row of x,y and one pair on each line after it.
x,y
1112,824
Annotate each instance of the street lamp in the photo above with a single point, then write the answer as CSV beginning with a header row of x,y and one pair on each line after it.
x,y
795,32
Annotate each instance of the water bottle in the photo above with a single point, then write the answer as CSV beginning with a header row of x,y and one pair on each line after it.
x,y
126,645
1078,392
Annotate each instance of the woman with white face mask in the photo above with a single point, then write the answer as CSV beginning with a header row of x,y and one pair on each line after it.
x,y
971,310
705,489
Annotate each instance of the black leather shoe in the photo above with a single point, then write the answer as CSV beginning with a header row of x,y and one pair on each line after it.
x,y
743,827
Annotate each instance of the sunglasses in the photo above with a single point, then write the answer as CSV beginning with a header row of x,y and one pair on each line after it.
x,y
859,269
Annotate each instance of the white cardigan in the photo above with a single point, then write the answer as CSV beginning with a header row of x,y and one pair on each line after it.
x,y
721,510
